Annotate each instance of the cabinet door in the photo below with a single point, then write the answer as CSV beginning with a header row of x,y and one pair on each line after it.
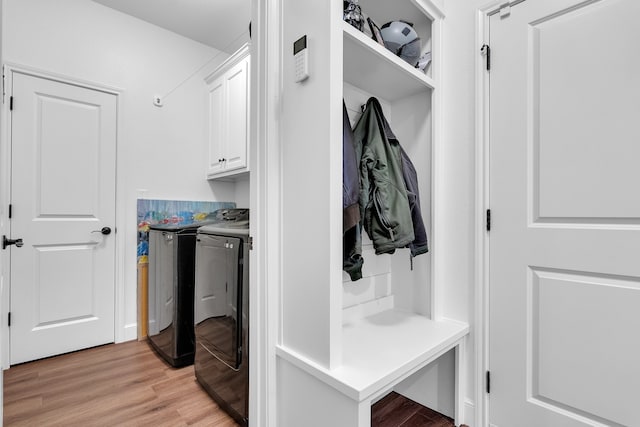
x,y
217,124
237,102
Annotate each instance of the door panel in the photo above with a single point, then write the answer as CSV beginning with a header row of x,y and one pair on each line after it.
x,y
58,149
570,344
63,146
585,110
61,284
565,236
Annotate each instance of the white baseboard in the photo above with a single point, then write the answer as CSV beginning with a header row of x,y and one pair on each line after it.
x,y
469,413
129,333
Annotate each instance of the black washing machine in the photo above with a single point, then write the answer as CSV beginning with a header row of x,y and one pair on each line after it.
x,y
221,311
172,249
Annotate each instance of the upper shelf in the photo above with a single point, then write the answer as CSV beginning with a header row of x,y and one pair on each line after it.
x,y
371,67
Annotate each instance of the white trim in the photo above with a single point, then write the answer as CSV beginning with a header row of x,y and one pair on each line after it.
x,y
122,332
237,56
429,8
129,332
460,377
437,186
5,183
64,78
469,413
5,180
481,333
265,183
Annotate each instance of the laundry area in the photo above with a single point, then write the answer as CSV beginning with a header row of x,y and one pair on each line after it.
x,y
349,213
197,301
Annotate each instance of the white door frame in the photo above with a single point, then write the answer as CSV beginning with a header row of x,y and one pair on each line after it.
x,y
481,337
120,332
266,177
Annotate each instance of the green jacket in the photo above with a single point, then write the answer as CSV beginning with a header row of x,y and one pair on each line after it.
x,y
384,205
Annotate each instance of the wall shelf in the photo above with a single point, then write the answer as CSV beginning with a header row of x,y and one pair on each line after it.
x,y
370,66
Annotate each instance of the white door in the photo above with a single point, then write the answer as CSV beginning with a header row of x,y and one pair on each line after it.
x,y
564,344
63,146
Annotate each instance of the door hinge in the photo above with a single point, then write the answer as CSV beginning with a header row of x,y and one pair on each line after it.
x,y
11,103
487,52
10,211
488,382
9,319
488,219
250,241
505,10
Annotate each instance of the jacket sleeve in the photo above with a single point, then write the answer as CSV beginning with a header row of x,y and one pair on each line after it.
x,y
420,244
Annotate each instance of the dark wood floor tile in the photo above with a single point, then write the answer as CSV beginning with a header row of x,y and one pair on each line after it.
x,y
435,416
418,420
391,411
395,410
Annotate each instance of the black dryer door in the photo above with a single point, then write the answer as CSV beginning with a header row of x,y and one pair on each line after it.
x,y
218,297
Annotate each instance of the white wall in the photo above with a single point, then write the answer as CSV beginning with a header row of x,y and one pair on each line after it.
x,y
311,309
242,192
161,150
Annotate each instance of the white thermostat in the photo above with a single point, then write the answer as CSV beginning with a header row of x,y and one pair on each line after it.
x,y
301,59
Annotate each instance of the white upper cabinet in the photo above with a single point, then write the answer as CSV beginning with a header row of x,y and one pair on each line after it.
x,y
228,88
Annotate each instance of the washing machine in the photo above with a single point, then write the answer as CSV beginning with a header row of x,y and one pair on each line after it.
x,y
221,311
172,250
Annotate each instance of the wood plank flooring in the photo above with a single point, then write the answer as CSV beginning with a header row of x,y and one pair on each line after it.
x,y
124,384
395,410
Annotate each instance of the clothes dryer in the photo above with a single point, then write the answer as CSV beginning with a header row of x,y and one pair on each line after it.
x,y
221,312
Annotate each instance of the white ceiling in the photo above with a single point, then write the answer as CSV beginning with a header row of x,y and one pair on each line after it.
x,y
222,24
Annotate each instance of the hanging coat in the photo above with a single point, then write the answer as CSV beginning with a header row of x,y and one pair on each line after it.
x,y
384,204
350,176
351,243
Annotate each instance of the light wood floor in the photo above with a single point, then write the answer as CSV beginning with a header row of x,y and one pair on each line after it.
x,y
114,385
